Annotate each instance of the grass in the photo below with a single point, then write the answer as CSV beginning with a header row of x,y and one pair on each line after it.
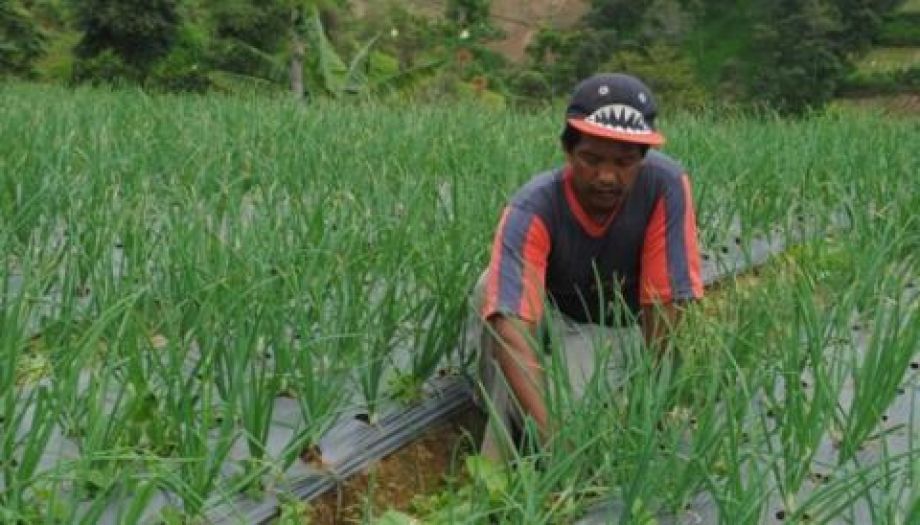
x,y
185,261
886,59
910,6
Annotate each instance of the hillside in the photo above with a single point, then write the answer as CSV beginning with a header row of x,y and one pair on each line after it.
x,y
518,19
521,20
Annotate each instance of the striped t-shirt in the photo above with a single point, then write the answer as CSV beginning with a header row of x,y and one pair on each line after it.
x,y
646,253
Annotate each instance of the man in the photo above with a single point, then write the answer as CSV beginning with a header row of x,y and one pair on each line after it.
x,y
614,226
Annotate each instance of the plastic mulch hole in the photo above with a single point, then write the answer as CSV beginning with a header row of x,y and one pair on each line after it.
x,y
364,418
725,249
312,455
804,384
705,256
915,365
781,515
119,245
737,241
884,418
900,391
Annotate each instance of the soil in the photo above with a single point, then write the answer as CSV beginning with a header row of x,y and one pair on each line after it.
x,y
420,468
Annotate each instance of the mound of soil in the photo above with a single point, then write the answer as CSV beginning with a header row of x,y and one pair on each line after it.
x,y
420,468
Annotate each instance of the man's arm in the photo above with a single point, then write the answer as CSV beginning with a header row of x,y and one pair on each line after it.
x,y
670,264
521,366
658,322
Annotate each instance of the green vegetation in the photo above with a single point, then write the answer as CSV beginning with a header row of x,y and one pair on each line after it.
x,y
200,256
790,56
886,59
21,40
901,29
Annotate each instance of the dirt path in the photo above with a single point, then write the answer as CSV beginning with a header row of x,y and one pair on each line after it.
x,y
421,468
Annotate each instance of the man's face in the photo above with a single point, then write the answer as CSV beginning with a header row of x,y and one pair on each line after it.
x,y
603,172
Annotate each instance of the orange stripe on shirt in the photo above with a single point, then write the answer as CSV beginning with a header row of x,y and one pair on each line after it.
x,y
490,304
690,240
654,282
536,253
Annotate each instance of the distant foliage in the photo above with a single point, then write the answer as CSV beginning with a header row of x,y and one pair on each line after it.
x,y
900,29
565,57
623,16
792,55
667,71
666,21
468,13
247,36
21,40
800,64
124,38
860,22
898,81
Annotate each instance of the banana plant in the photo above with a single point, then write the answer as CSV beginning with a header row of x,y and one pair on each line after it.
x,y
327,73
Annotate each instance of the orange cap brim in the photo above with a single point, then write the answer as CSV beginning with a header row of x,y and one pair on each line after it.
x,y
652,138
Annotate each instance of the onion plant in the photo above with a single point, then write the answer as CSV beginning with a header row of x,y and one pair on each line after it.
x,y
183,261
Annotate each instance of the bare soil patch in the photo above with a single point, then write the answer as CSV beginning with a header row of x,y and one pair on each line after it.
x,y
420,468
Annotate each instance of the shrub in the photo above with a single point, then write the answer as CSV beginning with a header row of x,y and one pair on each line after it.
x,y
902,29
667,71
899,81
184,69
21,41
106,68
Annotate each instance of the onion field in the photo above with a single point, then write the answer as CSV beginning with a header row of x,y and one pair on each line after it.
x,y
196,291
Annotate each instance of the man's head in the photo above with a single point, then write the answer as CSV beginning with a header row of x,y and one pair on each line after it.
x,y
607,134
613,106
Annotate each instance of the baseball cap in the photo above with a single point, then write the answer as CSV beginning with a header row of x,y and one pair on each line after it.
x,y
615,106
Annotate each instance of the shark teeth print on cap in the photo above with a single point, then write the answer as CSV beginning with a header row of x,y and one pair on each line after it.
x,y
620,118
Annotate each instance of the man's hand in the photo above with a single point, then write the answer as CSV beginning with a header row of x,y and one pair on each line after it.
x,y
521,367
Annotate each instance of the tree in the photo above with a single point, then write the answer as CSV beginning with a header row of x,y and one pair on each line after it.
x,y
21,41
622,16
468,13
861,22
567,56
135,32
666,21
267,39
799,62
668,72
248,37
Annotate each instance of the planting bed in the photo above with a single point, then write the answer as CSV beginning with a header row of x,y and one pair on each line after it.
x,y
212,309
